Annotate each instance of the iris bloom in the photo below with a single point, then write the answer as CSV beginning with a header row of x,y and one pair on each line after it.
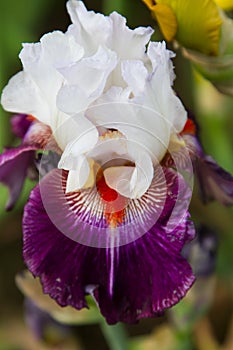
x,y
112,219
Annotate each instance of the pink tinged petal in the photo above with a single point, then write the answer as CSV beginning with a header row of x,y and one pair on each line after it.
x,y
22,95
129,282
14,164
41,135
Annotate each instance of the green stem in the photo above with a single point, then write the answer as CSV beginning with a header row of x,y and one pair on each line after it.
x,y
109,6
115,336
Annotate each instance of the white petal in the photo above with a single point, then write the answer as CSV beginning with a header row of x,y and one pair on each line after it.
x,y
131,182
128,43
91,29
110,149
22,95
89,71
144,171
159,55
73,99
119,178
42,72
158,92
61,49
86,80
138,123
77,178
134,73
86,136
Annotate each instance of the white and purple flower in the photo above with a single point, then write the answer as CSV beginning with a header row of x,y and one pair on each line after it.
x,y
112,219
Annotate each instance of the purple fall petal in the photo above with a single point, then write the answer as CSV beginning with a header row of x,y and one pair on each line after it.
x,y
129,282
14,164
40,321
215,183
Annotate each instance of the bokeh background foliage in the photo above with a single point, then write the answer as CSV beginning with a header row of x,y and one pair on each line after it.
x,y
26,21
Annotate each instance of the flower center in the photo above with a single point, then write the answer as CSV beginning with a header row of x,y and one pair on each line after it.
x,y
114,203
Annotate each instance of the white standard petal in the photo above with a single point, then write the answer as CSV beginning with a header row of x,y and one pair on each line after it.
x,y
72,99
91,29
128,43
42,72
159,55
158,92
86,80
61,49
134,74
22,95
40,62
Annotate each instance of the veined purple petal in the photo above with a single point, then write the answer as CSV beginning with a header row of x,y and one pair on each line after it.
x,y
129,282
20,124
14,163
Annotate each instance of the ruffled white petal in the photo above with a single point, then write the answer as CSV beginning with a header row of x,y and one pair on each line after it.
x,y
22,95
128,43
90,29
134,74
99,75
61,49
158,92
86,80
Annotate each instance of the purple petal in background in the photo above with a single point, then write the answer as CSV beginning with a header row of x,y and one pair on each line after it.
x,y
20,124
14,163
215,183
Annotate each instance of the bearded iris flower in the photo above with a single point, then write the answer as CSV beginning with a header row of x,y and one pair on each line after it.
x,y
112,219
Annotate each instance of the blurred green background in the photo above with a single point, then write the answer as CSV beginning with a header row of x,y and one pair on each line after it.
x,y
26,21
